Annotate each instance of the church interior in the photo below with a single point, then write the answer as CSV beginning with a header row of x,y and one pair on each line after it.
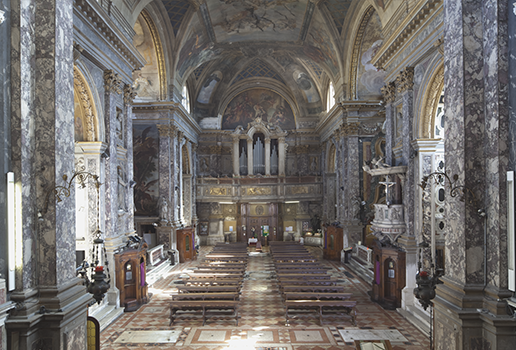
x,y
257,174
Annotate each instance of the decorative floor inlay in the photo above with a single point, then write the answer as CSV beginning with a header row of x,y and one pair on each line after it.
x,y
308,336
211,336
263,336
372,334
148,337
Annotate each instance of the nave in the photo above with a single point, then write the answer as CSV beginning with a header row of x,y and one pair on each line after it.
x,y
262,317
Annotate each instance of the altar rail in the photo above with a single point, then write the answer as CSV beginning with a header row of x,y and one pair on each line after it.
x,y
155,255
363,253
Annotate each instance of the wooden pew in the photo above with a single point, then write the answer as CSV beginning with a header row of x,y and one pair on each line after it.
x,y
207,307
303,276
213,281
208,289
324,307
296,281
316,296
311,288
206,296
316,270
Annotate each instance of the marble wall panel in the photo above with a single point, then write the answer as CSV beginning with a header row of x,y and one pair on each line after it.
x,y
407,155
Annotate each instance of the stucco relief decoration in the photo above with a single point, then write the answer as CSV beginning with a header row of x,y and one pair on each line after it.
x,y
405,80
83,111
2,16
257,191
112,82
146,81
371,79
255,104
146,191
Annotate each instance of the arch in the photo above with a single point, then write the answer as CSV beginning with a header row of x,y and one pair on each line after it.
x,y
87,123
158,47
434,85
357,43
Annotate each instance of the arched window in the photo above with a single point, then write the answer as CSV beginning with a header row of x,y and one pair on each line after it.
x,y
330,100
185,99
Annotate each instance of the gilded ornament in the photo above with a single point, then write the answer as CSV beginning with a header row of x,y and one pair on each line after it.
x,y
112,82
129,94
217,191
80,87
389,92
405,80
252,191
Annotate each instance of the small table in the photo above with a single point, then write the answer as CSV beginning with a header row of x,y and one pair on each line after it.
x,y
347,251
251,241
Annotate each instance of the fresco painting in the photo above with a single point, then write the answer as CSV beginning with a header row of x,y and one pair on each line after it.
x,y
146,80
370,79
239,20
146,191
196,50
320,48
209,86
258,103
306,85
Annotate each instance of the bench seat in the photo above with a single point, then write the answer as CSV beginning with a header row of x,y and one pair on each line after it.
x,y
324,307
208,289
207,307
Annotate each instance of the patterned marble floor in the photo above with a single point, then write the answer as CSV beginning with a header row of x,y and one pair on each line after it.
x,y
262,319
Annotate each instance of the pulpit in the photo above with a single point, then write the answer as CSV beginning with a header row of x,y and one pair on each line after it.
x,y
186,244
333,242
130,277
389,275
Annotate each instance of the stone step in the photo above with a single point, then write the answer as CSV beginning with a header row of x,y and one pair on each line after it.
x,y
363,271
417,317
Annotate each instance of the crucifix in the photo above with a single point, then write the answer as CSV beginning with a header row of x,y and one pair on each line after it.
x,y
387,183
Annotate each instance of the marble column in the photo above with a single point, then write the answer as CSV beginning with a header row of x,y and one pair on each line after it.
x,y
236,156
268,156
468,306
282,150
353,228
42,133
250,162
389,94
175,164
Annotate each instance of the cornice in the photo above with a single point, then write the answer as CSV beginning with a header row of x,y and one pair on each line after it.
x,y
414,20
173,107
91,12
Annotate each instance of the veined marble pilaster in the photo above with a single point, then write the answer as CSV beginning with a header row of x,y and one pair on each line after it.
x,y
112,89
404,85
129,95
475,150
389,94
43,151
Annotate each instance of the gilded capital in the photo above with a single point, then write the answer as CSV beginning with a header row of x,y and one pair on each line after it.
x,y
165,130
405,80
349,129
112,82
389,92
129,94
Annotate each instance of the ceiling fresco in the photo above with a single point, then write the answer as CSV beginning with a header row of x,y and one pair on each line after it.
x,y
263,20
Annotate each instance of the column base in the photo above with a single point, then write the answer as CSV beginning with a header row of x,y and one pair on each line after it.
x,y
50,318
